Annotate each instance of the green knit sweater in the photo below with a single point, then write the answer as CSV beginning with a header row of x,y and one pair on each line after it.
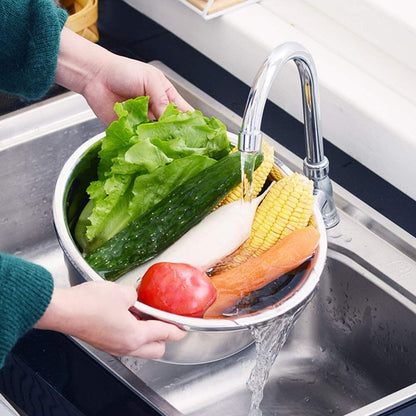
x,y
29,45
25,293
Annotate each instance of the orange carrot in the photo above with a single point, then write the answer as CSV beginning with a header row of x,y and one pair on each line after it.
x,y
287,254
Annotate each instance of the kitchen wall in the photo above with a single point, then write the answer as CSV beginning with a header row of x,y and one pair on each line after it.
x,y
367,95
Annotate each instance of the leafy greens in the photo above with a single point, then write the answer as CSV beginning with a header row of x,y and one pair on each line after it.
x,y
141,161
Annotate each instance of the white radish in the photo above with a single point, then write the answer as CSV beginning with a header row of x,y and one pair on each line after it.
x,y
216,236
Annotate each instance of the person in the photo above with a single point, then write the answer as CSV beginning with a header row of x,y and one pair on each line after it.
x,y
36,50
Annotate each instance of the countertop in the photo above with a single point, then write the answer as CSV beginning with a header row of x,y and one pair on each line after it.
x,y
44,380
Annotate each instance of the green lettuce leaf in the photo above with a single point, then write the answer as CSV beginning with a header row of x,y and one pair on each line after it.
x,y
141,161
119,135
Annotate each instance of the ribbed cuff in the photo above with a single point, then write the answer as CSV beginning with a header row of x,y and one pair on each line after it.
x,y
29,42
25,292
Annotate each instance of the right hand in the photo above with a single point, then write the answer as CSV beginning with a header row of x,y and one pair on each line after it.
x,y
98,313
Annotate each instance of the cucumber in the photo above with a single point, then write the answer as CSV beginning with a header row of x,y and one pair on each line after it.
x,y
167,221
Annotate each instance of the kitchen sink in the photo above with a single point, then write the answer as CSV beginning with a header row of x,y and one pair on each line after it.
x,y
352,345
352,350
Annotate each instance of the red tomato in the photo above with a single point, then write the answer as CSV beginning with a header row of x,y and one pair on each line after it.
x,y
177,288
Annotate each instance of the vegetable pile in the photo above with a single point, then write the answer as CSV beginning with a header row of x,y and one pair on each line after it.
x,y
166,213
141,162
161,225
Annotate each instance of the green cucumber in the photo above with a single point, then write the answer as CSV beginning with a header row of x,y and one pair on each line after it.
x,y
167,221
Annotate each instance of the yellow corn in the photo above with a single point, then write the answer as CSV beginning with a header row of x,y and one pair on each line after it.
x,y
276,174
259,176
287,206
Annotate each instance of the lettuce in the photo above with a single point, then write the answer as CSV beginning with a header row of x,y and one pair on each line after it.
x,y
141,161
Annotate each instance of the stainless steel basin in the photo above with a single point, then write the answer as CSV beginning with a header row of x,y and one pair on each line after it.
x,y
353,349
352,345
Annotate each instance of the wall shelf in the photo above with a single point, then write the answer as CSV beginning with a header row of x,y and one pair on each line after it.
x,y
210,9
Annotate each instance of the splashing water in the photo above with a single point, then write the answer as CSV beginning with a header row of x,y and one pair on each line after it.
x,y
269,340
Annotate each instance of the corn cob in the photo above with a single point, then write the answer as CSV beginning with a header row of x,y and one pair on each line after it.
x,y
287,206
259,176
276,174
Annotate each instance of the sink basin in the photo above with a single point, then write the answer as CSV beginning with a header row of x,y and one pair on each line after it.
x,y
352,350
353,344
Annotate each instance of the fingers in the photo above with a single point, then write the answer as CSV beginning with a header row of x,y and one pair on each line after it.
x,y
175,97
161,331
147,337
153,350
129,292
161,93
103,319
153,336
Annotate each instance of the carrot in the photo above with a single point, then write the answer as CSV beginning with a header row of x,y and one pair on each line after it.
x,y
287,254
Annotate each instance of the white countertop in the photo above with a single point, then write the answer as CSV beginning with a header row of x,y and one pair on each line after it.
x,y
368,96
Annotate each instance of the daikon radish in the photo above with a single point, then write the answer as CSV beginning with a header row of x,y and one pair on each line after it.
x,y
216,236
287,254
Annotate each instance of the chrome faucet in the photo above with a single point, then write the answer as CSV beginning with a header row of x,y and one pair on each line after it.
x,y
315,165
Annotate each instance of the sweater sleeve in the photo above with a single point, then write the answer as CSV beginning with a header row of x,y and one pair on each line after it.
x,y
25,292
29,45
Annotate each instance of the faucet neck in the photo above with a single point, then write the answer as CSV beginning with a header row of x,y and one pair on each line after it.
x,y
250,136
315,163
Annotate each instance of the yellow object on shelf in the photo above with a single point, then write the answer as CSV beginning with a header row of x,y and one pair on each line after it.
x,y
83,15
213,8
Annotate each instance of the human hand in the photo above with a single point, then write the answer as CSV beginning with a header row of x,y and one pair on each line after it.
x,y
104,78
122,78
98,313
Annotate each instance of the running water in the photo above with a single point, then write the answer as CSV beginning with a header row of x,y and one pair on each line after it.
x,y
247,170
269,340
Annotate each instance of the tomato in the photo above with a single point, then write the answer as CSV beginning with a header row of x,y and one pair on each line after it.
x,y
177,288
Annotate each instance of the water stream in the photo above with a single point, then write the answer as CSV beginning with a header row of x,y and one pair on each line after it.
x,y
269,340
247,170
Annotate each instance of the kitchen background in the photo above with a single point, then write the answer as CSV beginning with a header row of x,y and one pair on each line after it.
x,y
63,380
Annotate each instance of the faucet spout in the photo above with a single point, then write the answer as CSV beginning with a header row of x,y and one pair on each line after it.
x,y
315,165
